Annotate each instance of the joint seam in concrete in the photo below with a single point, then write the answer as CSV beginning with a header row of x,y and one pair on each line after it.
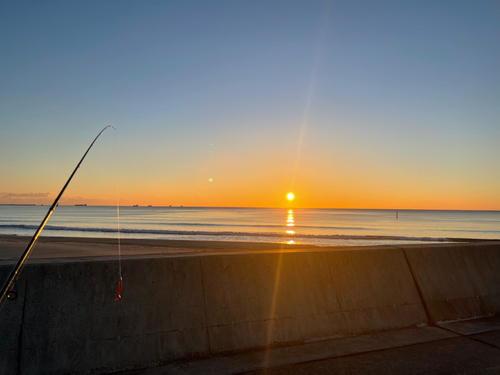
x,y
20,340
465,299
334,286
311,315
216,326
480,271
48,345
471,338
352,354
204,306
417,285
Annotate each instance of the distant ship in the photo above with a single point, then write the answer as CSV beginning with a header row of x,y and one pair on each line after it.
x,y
85,204
149,205
135,205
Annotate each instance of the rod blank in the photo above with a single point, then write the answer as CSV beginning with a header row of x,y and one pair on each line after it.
x,y
15,272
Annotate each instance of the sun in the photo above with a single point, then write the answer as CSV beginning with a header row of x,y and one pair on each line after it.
x,y
290,196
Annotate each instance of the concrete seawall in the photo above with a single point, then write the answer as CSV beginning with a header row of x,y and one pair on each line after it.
x,y
65,318
457,281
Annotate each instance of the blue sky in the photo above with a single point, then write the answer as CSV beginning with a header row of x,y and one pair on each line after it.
x,y
321,97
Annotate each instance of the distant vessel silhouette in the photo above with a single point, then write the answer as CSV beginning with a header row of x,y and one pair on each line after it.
x,y
85,204
135,205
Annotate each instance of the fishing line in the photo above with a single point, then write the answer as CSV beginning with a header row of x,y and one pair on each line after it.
x,y
120,281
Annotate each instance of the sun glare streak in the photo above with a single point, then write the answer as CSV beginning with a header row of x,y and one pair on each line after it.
x,y
270,327
312,84
305,118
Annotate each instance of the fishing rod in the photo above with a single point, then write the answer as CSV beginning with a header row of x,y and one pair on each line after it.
x,y
15,272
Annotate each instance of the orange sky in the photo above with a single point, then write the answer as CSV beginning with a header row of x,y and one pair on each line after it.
x,y
248,180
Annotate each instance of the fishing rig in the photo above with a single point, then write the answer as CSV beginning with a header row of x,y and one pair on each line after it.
x,y
7,288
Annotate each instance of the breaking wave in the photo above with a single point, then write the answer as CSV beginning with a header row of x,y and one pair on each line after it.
x,y
224,233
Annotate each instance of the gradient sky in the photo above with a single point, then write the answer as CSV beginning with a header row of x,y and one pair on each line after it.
x,y
349,104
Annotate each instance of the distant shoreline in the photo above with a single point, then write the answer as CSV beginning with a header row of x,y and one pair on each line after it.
x,y
277,208
18,204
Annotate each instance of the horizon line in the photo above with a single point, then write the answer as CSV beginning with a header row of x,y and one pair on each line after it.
x,y
257,207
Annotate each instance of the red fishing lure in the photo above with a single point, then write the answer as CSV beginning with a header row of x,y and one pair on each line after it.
x,y
120,284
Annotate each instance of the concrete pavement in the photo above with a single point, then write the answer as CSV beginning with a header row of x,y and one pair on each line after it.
x,y
467,347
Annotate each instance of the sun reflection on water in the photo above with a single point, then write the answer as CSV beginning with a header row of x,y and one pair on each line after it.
x,y
290,222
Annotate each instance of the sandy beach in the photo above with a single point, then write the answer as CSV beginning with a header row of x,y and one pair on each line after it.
x,y
63,249
74,249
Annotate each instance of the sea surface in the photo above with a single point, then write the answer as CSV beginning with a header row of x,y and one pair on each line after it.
x,y
325,227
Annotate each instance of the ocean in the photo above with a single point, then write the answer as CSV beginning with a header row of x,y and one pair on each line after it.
x,y
323,227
